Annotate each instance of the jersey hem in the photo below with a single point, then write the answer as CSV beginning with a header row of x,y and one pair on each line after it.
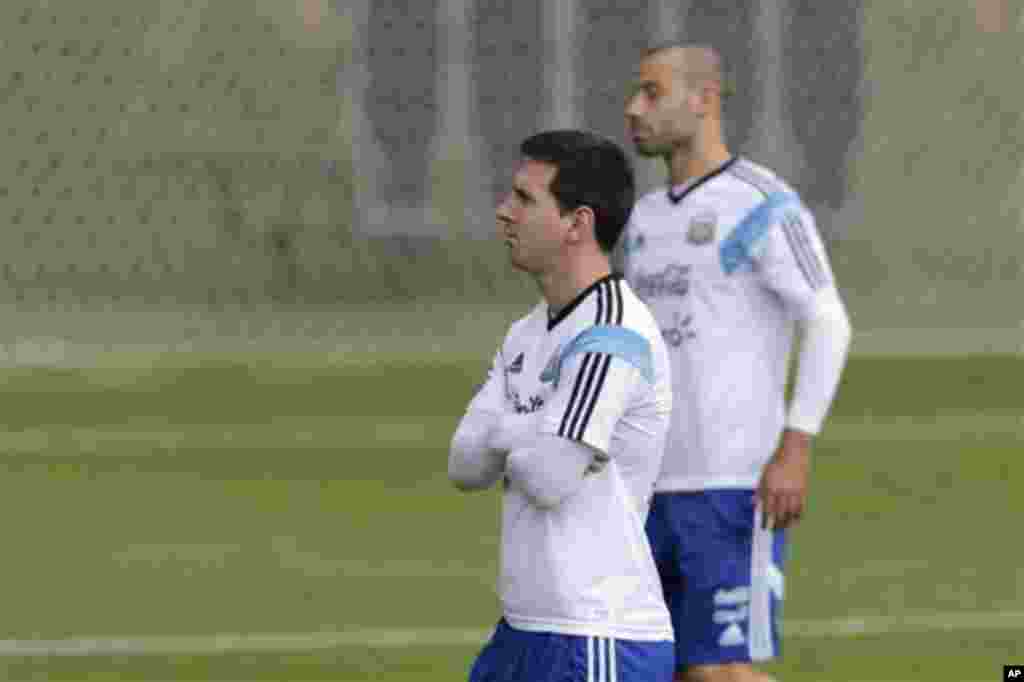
x,y
615,631
671,484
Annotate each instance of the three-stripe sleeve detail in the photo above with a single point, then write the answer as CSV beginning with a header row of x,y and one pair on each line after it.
x,y
803,251
594,369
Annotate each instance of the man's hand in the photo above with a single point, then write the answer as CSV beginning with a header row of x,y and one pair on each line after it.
x,y
783,489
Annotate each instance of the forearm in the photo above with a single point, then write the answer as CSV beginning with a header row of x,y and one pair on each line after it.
x,y
551,471
473,464
826,341
514,431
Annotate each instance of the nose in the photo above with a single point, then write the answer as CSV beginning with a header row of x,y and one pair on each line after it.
x,y
503,216
632,108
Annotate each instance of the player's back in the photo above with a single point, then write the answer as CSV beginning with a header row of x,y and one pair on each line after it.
x,y
597,374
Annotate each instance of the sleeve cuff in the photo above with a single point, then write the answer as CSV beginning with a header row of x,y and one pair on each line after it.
x,y
802,422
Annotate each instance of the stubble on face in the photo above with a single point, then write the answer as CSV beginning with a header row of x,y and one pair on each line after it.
x,y
528,217
658,117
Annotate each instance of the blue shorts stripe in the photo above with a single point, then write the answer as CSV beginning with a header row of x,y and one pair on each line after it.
x,y
590,659
721,574
760,639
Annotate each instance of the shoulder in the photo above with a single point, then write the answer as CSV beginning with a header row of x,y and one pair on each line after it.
x,y
638,317
637,339
636,321
651,204
653,198
754,193
753,178
617,307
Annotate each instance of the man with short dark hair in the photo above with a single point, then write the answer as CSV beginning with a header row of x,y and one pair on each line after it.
x,y
572,419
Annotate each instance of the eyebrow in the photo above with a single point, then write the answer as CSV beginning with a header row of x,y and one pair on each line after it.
x,y
645,85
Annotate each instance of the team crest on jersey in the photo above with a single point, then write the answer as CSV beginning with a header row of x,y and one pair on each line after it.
x,y
702,228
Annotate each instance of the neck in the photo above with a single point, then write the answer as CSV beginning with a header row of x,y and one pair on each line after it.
x,y
701,155
561,287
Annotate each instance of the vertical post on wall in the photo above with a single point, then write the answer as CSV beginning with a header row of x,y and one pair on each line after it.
x,y
559,20
369,213
773,142
459,184
666,20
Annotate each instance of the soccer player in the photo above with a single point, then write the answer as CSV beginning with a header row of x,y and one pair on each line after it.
x,y
572,421
730,262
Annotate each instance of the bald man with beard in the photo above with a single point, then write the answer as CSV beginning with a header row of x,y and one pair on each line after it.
x,y
729,260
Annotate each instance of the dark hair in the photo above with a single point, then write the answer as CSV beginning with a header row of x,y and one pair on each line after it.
x,y
720,68
590,171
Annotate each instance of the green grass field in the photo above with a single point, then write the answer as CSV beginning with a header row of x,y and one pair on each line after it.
x,y
192,498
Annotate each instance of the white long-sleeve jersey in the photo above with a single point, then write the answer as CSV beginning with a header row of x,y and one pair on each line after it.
x,y
729,264
595,378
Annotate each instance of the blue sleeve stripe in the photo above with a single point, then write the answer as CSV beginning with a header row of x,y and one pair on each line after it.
x,y
617,341
736,250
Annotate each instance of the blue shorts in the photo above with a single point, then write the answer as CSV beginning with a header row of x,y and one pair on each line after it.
x,y
520,656
721,574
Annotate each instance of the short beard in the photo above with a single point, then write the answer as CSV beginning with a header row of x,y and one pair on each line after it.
x,y
654,151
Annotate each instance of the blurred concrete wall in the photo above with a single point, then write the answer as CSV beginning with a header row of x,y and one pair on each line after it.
x,y
939,239
536,65
183,151
167,150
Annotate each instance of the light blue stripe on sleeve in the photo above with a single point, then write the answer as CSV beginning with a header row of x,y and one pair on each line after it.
x,y
613,340
736,250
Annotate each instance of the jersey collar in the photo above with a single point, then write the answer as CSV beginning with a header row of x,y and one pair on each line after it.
x,y
567,310
694,184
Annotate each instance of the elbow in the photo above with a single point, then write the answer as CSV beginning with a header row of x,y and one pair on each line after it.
x,y
463,480
459,481
469,471
831,322
844,332
466,484
841,320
